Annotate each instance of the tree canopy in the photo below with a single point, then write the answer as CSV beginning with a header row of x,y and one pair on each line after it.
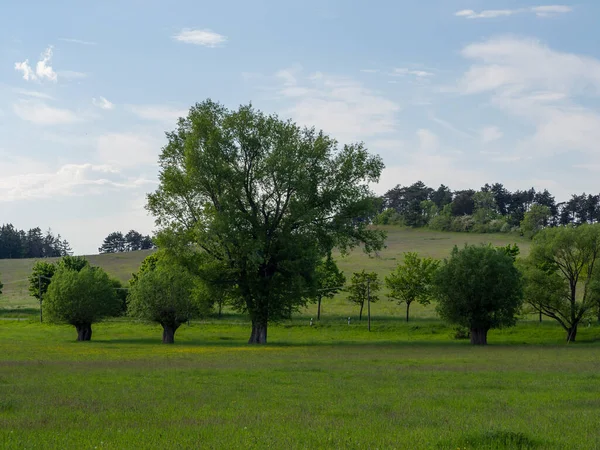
x,y
266,198
412,281
80,298
166,294
479,288
364,287
330,280
562,274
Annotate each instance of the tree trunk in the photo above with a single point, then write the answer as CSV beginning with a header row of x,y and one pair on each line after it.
x,y
168,334
84,331
361,308
319,309
572,333
540,316
407,308
259,332
479,336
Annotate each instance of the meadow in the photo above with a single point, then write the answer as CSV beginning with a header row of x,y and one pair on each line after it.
x,y
331,385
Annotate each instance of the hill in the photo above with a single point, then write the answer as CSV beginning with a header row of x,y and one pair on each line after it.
x,y
14,272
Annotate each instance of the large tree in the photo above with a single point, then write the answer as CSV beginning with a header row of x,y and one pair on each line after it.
x,y
479,288
412,281
364,287
81,298
266,198
113,243
562,274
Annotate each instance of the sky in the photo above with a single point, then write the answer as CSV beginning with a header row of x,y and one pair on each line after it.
x,y
459,92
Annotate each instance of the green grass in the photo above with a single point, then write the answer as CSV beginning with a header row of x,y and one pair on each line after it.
x,y
14,273
402,385
327,386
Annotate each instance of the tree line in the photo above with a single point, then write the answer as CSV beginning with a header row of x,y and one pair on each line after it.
x,y
15,243
116,242
478,287
250,208
493,208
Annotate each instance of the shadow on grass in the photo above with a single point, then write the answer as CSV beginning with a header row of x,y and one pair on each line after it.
x,y
18,312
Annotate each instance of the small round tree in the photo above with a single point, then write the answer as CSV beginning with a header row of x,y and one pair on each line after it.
x,y
165,294
479,288
80,298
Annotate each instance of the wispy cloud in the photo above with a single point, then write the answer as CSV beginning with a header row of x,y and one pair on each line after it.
x,y
102,103
40,113
339,105
68,180
541,86
490,134
206,38
539,11
43,69
34,94
417,73
159,113
77,41
128,149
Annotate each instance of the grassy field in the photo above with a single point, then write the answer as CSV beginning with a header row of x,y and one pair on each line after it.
x,y
405,386
333,385
16,302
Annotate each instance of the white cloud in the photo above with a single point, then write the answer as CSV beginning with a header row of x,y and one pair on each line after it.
x,y
28,73
417,73
68,180
41,114
34,94
72,74
490,134
430,164
159,113
43,69
539,11
340,106
77,41
128,149
102,103
206,38
369,70
542,86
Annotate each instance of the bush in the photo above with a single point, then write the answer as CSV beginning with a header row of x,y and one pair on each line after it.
x,y
463,223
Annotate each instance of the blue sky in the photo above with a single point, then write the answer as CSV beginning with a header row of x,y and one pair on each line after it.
x,y
446,91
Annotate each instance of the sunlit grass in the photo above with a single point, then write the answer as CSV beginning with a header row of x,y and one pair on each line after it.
x,y
327,386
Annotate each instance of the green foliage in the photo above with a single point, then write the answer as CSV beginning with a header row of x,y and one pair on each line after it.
x,y
148,264
80,297
329,279
564,262
535,220
266,198
41,275
412,281
480,288
165,295
388,216
364,286
76,263
121,293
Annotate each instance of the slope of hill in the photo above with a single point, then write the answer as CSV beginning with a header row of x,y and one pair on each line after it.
x,y
14,273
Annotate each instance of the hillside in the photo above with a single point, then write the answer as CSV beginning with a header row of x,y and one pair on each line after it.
x,y
13,273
